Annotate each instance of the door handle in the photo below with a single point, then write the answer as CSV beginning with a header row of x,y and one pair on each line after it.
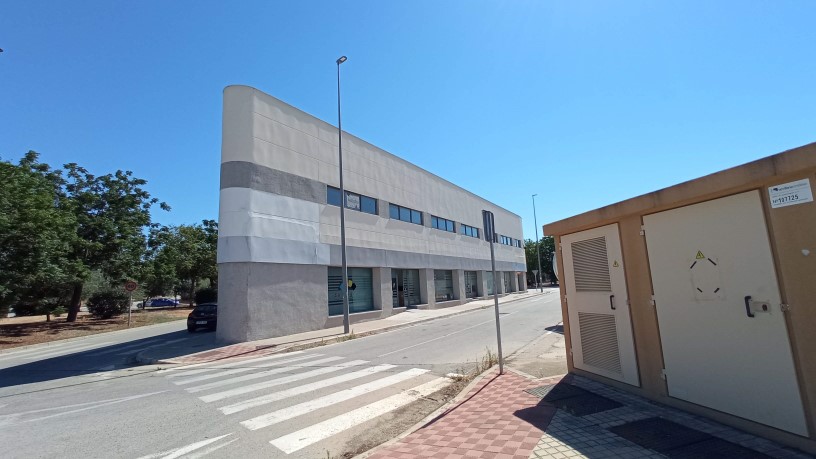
x,y
612,302
748,306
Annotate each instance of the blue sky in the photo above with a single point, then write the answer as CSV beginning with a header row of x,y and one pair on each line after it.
x,y
585,103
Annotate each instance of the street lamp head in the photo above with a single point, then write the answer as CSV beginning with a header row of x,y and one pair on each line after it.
x,y
535,195
341,60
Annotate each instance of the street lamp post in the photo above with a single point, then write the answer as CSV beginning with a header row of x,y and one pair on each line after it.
x,y
538,246
344,287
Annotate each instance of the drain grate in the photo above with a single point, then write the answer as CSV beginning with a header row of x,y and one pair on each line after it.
x,y
583,405
556,391
659,434
715,448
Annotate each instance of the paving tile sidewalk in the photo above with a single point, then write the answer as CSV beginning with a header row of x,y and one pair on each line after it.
x,y
500,417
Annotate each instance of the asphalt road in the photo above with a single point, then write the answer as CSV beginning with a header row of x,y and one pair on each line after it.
x,y
93,403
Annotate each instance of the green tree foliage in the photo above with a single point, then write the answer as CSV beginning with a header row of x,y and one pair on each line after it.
x,y
36,232
547,246
182,255
111,212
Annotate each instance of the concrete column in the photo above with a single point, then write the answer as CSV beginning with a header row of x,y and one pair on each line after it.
x,y
383,299
427,289
522,278
514,279
426,222
459,284
481,284
498,282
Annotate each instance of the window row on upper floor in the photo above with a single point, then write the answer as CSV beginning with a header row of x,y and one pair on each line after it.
x,y
368,205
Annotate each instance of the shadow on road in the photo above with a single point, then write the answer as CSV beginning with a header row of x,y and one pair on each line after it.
x,y
25,366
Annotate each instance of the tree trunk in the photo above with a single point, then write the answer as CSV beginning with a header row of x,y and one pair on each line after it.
x,y
76,300
193,284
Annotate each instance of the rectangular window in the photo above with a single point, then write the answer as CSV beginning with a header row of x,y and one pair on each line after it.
x,y
469,231
405,214
354,201
442,224
360,290
443,284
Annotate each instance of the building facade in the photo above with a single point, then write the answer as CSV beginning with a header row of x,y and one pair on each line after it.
x,y
413,239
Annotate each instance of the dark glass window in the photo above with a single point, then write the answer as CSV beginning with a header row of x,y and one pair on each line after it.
x,y
354,201
442,223
405,214
333,196
416,217
368,205
393,211
469,231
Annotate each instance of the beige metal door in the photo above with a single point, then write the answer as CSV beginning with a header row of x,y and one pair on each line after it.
x,y
598,304
725,342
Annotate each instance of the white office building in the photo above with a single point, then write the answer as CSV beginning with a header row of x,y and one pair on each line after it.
x,y
413,239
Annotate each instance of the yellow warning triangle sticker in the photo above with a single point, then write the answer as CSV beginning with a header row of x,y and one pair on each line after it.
x,y
700,255
615,264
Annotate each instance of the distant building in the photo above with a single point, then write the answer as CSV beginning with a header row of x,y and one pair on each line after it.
x,y
413,239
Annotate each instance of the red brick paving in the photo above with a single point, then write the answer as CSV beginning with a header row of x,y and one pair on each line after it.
x,y
496,419
243,350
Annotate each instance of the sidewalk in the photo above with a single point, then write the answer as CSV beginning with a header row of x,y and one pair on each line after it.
x,y
179,354
517,416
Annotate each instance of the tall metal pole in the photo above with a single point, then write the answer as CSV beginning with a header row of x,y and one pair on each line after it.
x,y
490,233
344,287
538,246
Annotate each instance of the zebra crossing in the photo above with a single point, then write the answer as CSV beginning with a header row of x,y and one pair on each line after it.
x,y
299,399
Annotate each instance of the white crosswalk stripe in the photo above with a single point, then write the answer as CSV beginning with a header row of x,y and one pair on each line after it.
x,y
277,382
262,374
329,400
235,371
305,389
187,370
384,387
304,437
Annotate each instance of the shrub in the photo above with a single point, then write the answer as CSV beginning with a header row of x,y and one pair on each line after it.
x,y
206,295
25,309
105,304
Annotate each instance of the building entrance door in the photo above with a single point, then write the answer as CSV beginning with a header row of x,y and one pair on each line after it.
x,y
405,287
597,300
723,333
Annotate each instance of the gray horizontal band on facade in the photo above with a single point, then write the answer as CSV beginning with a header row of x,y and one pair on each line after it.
x,y
242,249
242,174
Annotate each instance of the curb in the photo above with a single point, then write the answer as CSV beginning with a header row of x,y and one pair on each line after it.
x,y
283,347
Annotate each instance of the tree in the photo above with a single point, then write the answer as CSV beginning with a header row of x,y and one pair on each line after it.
x,y
183,254
547,245
36,234
111,212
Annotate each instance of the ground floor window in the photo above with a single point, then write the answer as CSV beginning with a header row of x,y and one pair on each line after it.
x,y
471,291
443,282
489,278
405,287
508,282
361,293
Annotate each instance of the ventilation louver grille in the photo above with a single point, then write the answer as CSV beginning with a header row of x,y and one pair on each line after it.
x,y
599,341
591,265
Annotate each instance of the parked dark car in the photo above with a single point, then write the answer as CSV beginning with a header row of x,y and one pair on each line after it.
x,y
203,316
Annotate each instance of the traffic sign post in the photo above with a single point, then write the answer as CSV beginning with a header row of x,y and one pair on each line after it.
x,y
490,235
130,286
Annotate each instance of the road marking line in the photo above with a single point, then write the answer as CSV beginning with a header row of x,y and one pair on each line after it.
x,y
330,427
190,448
210,450
158,344
243,370
63,352
491,321
276,396
6,418
261,374
300,409
119,349
230,364
280,381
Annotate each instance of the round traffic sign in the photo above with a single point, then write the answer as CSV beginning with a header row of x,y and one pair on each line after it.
x,y
130,286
